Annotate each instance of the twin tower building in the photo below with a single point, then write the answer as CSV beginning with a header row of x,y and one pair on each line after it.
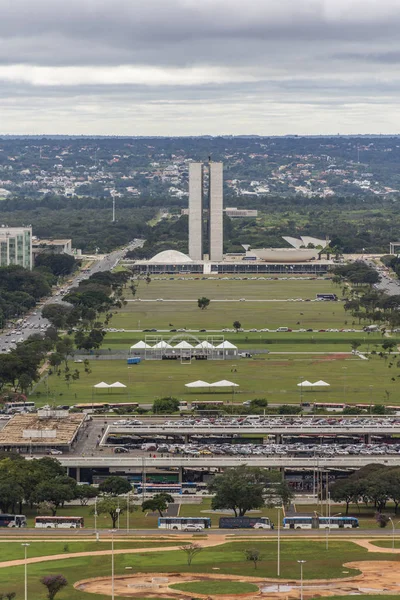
x,y
206,236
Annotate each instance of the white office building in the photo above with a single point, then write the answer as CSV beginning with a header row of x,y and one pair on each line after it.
x,y
16,246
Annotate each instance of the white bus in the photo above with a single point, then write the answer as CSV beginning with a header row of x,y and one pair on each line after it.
x,y
12,407
59,522
184,523
304,522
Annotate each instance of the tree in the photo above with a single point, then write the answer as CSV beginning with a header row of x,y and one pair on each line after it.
x,y
284,492
56,491
203,302
115,486
85,492
166,406
159,503
345,490
57,314
253,555
240,489
11,494
113,506
54,584
191,550
355,344
258,403
237,325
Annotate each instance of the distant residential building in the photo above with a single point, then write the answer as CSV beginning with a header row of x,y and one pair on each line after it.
x,y
57,246
240,212
16,246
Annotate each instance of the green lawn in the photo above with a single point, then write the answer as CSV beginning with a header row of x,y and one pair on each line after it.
x,y
219,315
14,551
274,377
218,288
216,587
228,557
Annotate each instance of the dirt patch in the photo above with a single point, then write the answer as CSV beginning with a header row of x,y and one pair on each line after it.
x,y
380,577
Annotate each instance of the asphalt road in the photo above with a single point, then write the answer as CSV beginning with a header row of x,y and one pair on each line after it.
x,y
318,534
35,323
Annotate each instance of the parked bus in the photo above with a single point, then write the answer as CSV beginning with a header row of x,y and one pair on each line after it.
x,y
13,407
245,523
184,523
329,406
327,297
105,406
157,488
12,520
303,522
59,522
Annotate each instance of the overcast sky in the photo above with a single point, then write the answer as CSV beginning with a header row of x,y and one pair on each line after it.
x,y
196,67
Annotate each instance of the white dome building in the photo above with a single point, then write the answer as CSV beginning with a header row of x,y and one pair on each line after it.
x,y
171,257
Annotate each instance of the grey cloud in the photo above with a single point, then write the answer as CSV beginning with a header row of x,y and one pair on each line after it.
x,y
331,55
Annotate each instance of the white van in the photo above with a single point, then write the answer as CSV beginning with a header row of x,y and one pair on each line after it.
x,y
283,329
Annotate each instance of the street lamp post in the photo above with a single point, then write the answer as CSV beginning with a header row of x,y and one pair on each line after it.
x,y
95,514
112,563
393,524
278,570
127,513
25,547
118,511
301,563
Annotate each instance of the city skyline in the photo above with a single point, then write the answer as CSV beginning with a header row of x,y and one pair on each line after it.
x,y
135,68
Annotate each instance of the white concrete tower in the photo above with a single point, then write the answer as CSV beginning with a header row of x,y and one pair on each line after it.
x,y
216,211
196,211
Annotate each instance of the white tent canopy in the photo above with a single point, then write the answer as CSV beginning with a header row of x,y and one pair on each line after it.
x,y
139,345
184,345
101,385
224,383
117,384
197,384
205,344
321,383
305,383
162,344
227,346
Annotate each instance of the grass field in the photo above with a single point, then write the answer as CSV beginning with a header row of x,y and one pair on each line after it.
x,y
229,558
274,377
216,587
220,315
218,288
13,551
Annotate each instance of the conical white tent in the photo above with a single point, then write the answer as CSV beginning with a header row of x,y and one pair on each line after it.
x,y
162,344
197,384
224,383
102,385
184,345
227,346
321,383
205,345
305,383
140,345
117,384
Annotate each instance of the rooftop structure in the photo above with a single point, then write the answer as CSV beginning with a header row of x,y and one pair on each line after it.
x,y
26,433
